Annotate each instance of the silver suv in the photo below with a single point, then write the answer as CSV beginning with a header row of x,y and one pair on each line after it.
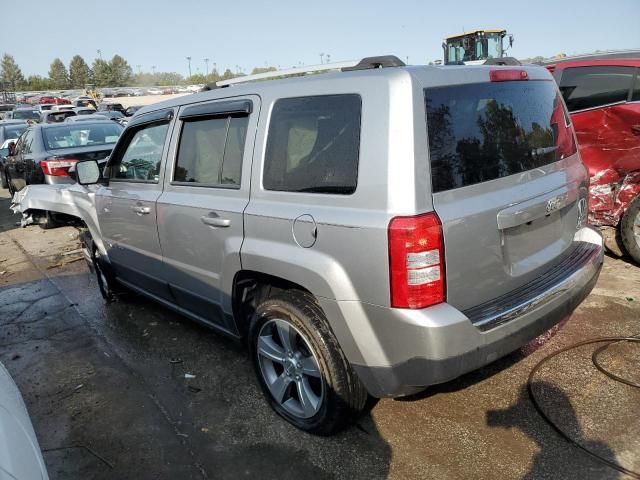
x,y
367,232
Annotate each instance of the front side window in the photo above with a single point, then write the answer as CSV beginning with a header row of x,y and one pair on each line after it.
x,y
589,87
143,155
211,150
313,144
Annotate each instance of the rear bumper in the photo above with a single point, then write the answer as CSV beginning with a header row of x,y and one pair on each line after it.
x,y
406,350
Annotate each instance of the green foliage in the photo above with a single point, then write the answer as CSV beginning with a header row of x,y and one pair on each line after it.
x,y
79,72
263,70
58,74
10,72
36,83
121,73
101,72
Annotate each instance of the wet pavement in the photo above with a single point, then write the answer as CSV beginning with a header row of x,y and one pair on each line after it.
x,y
106,389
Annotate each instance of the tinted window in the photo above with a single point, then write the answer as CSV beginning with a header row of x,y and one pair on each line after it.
x,y
480,132
143,154
26,115
313,144
588,87
71,135
636,88
14,131
211,151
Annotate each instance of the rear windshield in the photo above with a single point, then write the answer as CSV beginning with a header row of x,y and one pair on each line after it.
x,y
480,132
15,131
26,115
81,135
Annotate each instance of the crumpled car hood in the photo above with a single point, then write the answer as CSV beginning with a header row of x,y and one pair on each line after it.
x,y
20,456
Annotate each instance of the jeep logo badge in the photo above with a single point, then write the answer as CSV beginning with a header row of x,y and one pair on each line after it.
x,y
554,203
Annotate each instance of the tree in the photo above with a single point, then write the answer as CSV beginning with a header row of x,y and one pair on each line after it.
x,y
227,74
266,69
36,82
10,72
58,74
79,72
121,72
101,73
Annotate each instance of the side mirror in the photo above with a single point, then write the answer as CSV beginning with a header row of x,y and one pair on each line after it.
x,y
87,172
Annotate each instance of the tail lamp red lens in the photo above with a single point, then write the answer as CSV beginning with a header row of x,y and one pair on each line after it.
x,y
416,261
508,75
57,168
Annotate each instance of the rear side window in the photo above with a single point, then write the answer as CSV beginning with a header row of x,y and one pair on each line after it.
x,y
481,132
589,87
313,144
211,150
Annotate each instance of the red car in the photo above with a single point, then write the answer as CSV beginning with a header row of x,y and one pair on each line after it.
x,y
55,100
603,98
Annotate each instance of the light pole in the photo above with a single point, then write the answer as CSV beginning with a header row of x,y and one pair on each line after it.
x,y
328,58
139,67
99,53
153,69
215,68
321,58
189,60
206,62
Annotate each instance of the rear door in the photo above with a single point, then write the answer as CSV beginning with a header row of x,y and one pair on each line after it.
x,y
126,208
23,155
505,182
200,213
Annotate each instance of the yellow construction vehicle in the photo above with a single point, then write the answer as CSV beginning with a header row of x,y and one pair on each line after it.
x,y
476,47
90,91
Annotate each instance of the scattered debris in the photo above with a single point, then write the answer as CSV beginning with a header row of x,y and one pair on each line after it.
x,y
182,435
193,389
204,429
62,264
16,356
3,272
175,360
71,252
79,387
629,299
189,375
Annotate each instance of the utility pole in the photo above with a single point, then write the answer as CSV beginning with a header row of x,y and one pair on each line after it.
x,y
153,69
189,60
215,68
328,58
321,58
206,62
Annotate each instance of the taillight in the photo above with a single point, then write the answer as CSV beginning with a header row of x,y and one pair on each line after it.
x,y
57,168
416,261
508,75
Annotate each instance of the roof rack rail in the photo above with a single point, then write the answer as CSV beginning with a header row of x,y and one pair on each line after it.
x,y
364,64
369,63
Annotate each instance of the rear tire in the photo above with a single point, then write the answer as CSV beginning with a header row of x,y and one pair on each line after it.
x,y
296,355
630,229
107,284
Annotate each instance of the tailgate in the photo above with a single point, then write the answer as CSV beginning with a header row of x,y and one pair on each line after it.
x,y
506,184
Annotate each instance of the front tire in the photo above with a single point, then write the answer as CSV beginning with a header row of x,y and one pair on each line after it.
x,y
630,229
303,373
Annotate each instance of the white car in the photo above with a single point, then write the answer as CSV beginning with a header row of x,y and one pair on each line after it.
x,y
20,455
154,91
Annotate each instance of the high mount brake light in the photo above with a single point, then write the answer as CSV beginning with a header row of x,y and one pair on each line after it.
x,y
507,75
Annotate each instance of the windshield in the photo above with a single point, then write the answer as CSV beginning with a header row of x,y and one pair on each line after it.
x,y
26,115
493,46
81,135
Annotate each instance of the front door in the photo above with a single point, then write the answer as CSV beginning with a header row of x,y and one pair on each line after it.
x,y
127,206
200,221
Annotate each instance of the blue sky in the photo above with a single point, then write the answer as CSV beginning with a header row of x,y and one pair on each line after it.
x,y
283,33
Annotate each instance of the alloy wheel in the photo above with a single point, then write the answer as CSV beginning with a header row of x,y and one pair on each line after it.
x,y
290,369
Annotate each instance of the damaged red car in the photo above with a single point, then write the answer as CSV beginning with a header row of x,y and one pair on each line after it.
x,y
603,98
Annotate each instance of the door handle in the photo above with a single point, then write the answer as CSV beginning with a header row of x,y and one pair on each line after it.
x,y
214,220
140,210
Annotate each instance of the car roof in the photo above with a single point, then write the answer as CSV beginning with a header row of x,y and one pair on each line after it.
x,y
96,122
626,62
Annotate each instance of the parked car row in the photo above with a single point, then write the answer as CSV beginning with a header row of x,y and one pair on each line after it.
x,y
246,208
